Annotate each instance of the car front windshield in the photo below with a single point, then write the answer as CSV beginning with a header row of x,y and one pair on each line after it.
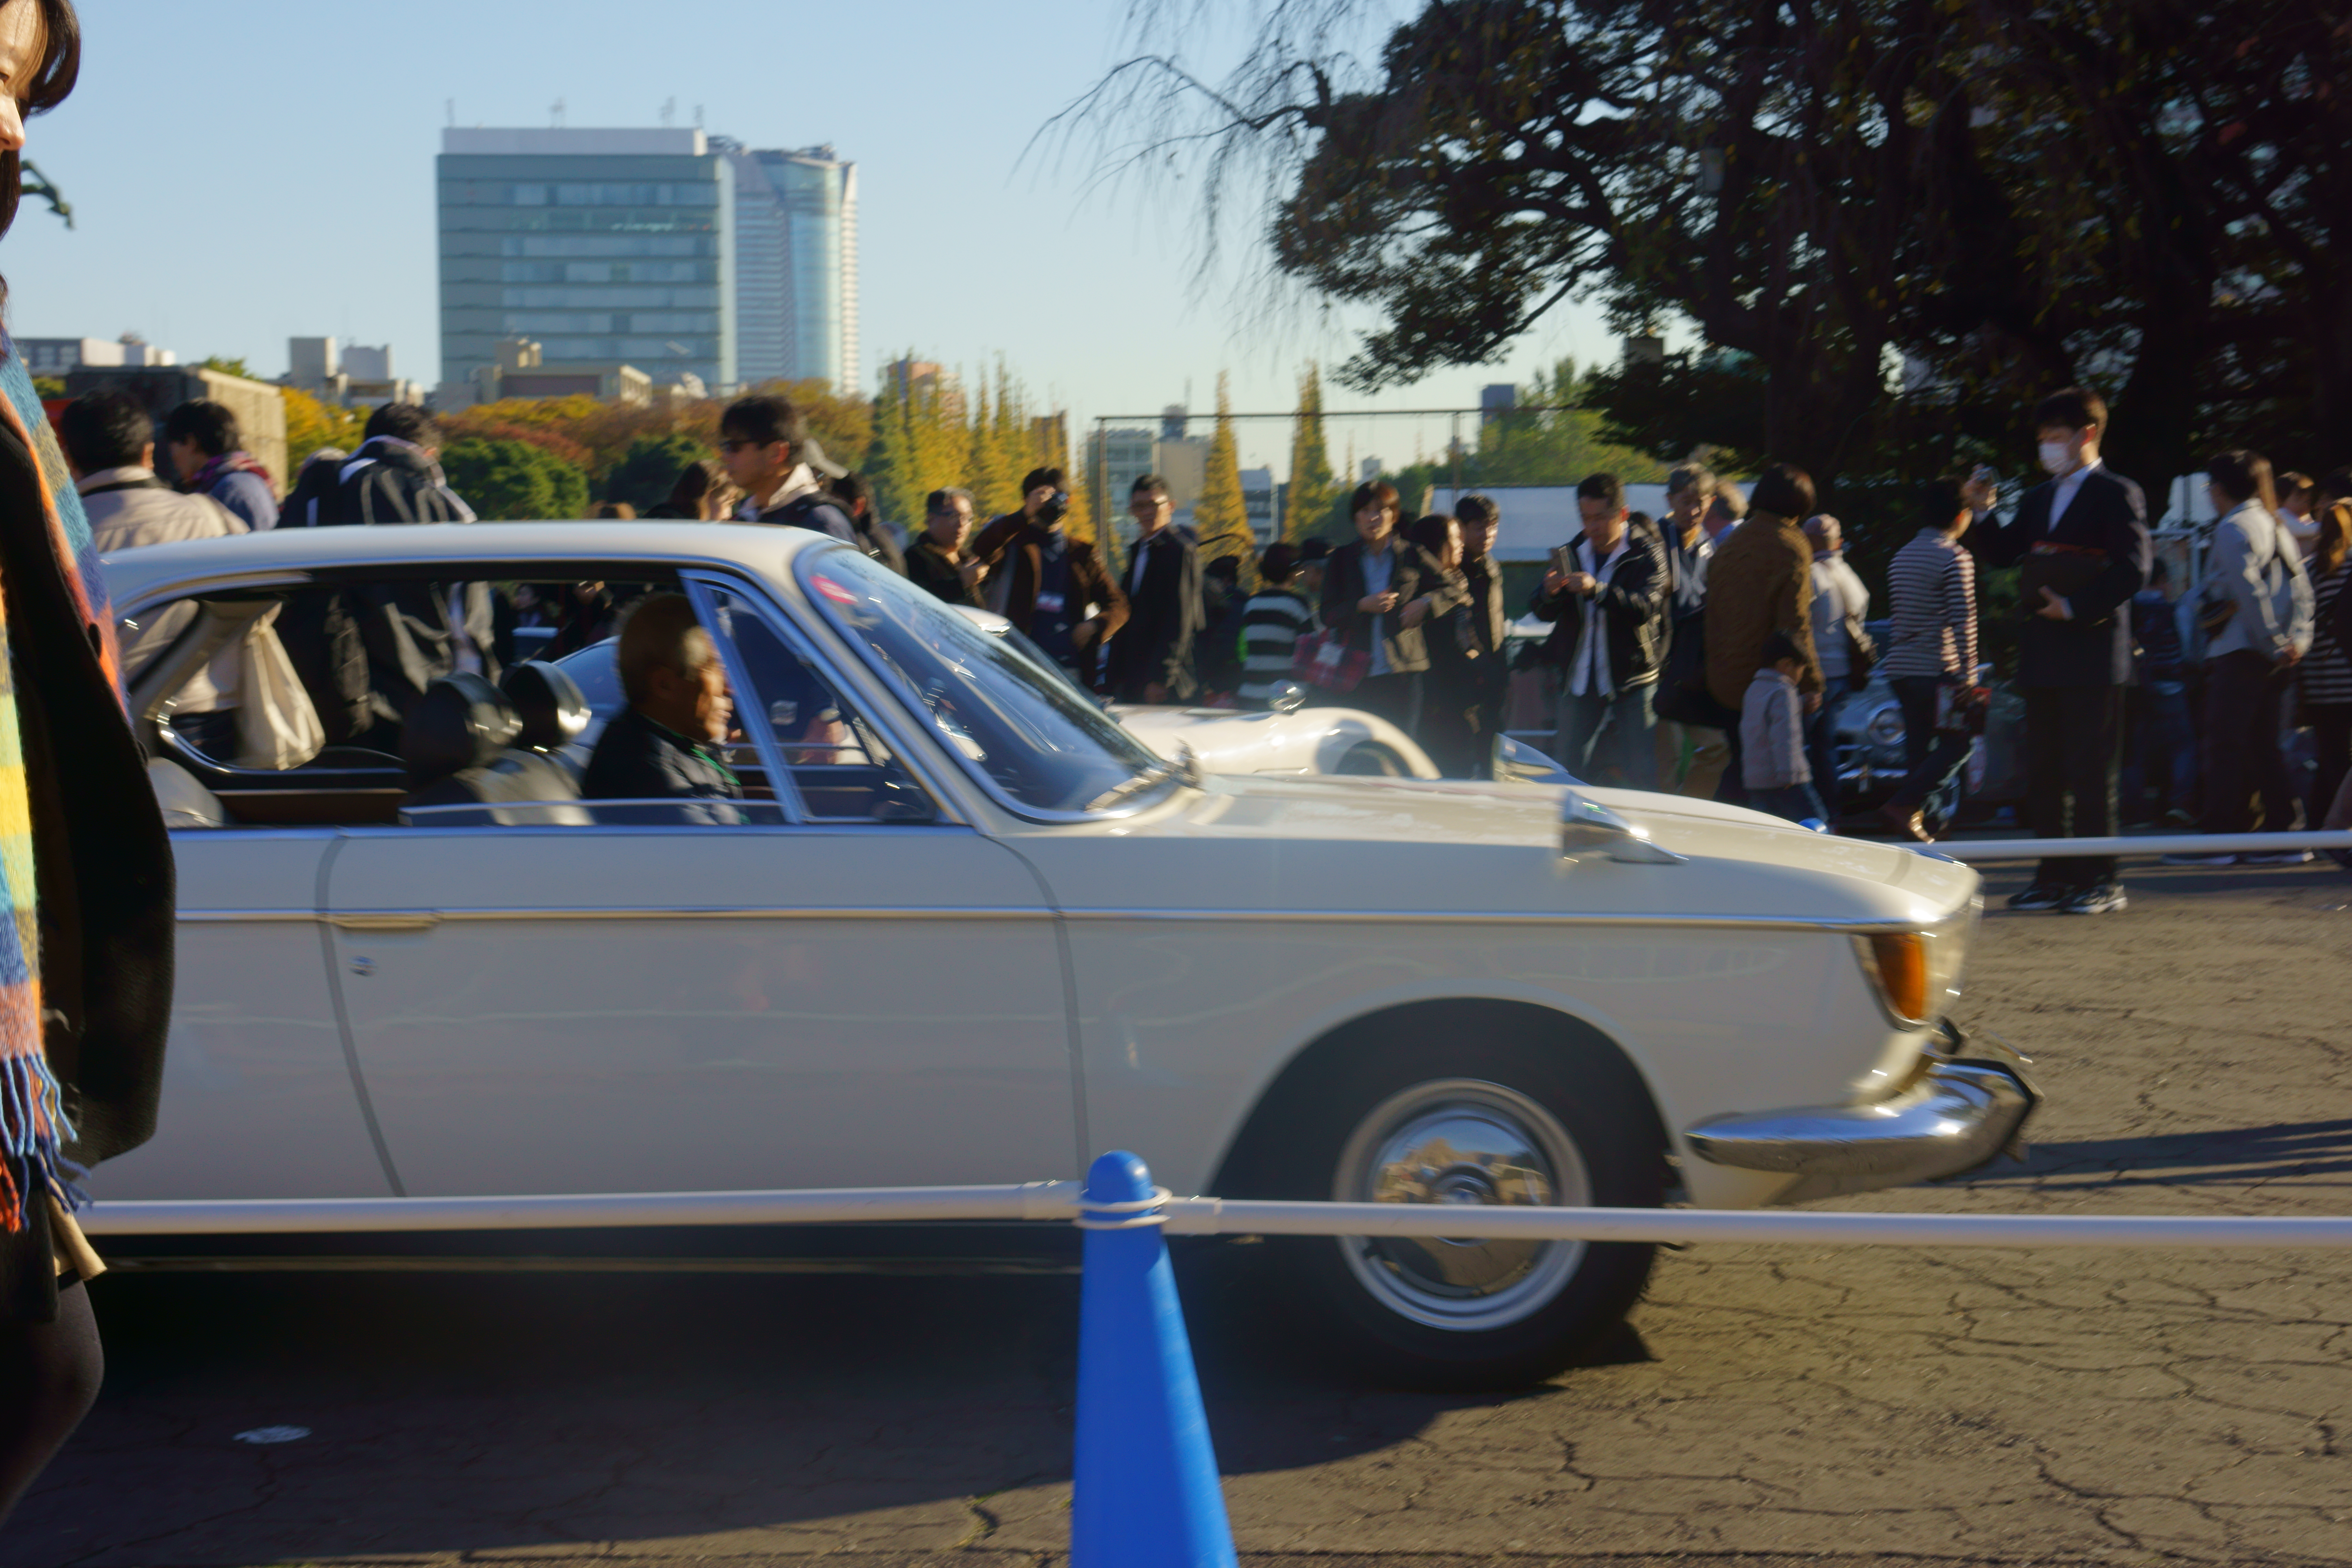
x,y
1010,716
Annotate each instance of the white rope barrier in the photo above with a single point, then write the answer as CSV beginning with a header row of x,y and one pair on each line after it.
x,y
1199,1216
1984,849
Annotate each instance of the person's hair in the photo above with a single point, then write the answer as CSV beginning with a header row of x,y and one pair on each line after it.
x,y
210,425
1035,476
1729,498
1431,532
1279,565
1229,566
104,430
405,421
45,83
2072,408
1941,500
851,489
942,502
1821,525
1377,492
1777,646
1605,488
764,420
614,512
2243,475
696,480
1783,490
659,632
1313,551
1690,476
1146,483
1641,520
2334,543
1477,509
2292,485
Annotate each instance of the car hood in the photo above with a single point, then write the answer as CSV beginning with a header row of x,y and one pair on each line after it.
x,y
1439,846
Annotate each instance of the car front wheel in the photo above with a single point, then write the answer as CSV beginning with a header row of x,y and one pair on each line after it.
x,y
1508,1124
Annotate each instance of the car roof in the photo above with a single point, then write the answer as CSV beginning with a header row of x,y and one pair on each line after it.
x,y
764,549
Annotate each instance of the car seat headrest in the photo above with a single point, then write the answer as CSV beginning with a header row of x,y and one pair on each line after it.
x,y
462,722
550,703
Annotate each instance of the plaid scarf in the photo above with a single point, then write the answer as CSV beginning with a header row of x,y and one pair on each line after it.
x,y
33,1127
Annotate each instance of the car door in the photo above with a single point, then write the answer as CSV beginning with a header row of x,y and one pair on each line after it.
x,y
841,990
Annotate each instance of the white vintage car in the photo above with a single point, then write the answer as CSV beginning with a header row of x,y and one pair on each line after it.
x,y
972,931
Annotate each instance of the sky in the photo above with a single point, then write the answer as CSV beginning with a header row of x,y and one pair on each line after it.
x,y
247,171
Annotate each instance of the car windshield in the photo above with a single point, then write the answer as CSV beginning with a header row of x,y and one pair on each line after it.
x,y
1010,715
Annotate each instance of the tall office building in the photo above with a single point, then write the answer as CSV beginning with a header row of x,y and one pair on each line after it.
x,y
795,265
606,246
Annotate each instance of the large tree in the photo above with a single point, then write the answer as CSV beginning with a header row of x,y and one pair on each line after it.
x,y
1890,222
1221,513
1313,495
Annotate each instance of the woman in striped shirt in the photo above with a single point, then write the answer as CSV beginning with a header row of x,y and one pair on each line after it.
x,y
1933,646
1272,624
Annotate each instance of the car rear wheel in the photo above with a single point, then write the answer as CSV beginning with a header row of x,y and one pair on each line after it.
x,y
1500,1123
1373,760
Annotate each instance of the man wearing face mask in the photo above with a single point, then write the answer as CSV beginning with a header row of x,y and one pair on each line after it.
x,y
2081,542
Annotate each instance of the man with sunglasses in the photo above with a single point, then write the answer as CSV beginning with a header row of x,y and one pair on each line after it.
x,y
764,444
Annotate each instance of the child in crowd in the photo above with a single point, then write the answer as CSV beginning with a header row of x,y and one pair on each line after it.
x,y
1772,736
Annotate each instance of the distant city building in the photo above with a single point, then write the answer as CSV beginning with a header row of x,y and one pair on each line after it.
x,y
523,370
55,356
353,377
1262,501
1368,470
795,265
1119,457
607,247
1496,400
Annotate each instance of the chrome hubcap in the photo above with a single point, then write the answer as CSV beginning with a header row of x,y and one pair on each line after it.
x,y
1473,1144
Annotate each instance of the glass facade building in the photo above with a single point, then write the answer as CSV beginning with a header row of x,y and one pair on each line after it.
x,y
605,246
796,265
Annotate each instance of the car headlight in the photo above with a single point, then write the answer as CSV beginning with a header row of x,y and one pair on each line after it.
x,y
1916,974
1884,726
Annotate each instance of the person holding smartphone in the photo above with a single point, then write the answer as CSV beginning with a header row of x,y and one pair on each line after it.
x,y
1606,598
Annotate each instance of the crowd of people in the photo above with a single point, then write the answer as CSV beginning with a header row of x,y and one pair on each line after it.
x,y
1707,652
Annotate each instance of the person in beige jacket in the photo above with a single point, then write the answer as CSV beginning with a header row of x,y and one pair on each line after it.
x,y
110,442
1760,581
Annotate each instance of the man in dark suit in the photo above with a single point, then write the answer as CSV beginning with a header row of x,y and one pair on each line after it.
x,y
1489,623
2081,541
1151,657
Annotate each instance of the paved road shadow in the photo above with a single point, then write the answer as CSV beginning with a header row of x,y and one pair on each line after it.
x,y
2233,1156
474,1413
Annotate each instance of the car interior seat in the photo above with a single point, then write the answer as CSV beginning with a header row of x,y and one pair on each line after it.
x,y
460,746
555,713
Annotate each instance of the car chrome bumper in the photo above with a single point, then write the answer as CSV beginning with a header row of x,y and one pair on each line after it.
x,y
1967,1104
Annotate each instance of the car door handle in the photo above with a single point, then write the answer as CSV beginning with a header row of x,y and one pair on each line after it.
x,y
385,919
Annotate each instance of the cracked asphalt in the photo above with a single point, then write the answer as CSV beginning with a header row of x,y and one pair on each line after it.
x,y
1776,1405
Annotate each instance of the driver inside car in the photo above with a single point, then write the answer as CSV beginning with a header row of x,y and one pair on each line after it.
x,y
669,743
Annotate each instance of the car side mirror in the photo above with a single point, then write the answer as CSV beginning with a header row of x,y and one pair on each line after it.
x,y
1516,762
1288,697
1589,829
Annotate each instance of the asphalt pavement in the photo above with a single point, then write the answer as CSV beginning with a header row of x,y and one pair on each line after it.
x,y
1768,1405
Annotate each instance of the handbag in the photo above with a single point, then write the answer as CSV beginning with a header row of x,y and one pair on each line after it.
x,y
277,726
1961,708
1324,660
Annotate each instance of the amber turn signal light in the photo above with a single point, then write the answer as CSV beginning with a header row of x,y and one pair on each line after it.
x,y
1902,964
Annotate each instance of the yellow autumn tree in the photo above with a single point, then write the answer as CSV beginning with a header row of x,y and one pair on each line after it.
x,y
1314,491
1221,517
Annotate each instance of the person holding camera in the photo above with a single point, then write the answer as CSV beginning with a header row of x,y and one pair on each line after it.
x,y
1151,659
1054,588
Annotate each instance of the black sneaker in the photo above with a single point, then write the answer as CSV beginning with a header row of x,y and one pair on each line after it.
x,y
2040,896
2099,899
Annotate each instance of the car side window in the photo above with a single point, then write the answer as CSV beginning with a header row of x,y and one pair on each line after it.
x,y
838,763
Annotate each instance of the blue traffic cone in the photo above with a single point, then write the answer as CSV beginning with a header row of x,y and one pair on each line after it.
x,y
1147,1494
